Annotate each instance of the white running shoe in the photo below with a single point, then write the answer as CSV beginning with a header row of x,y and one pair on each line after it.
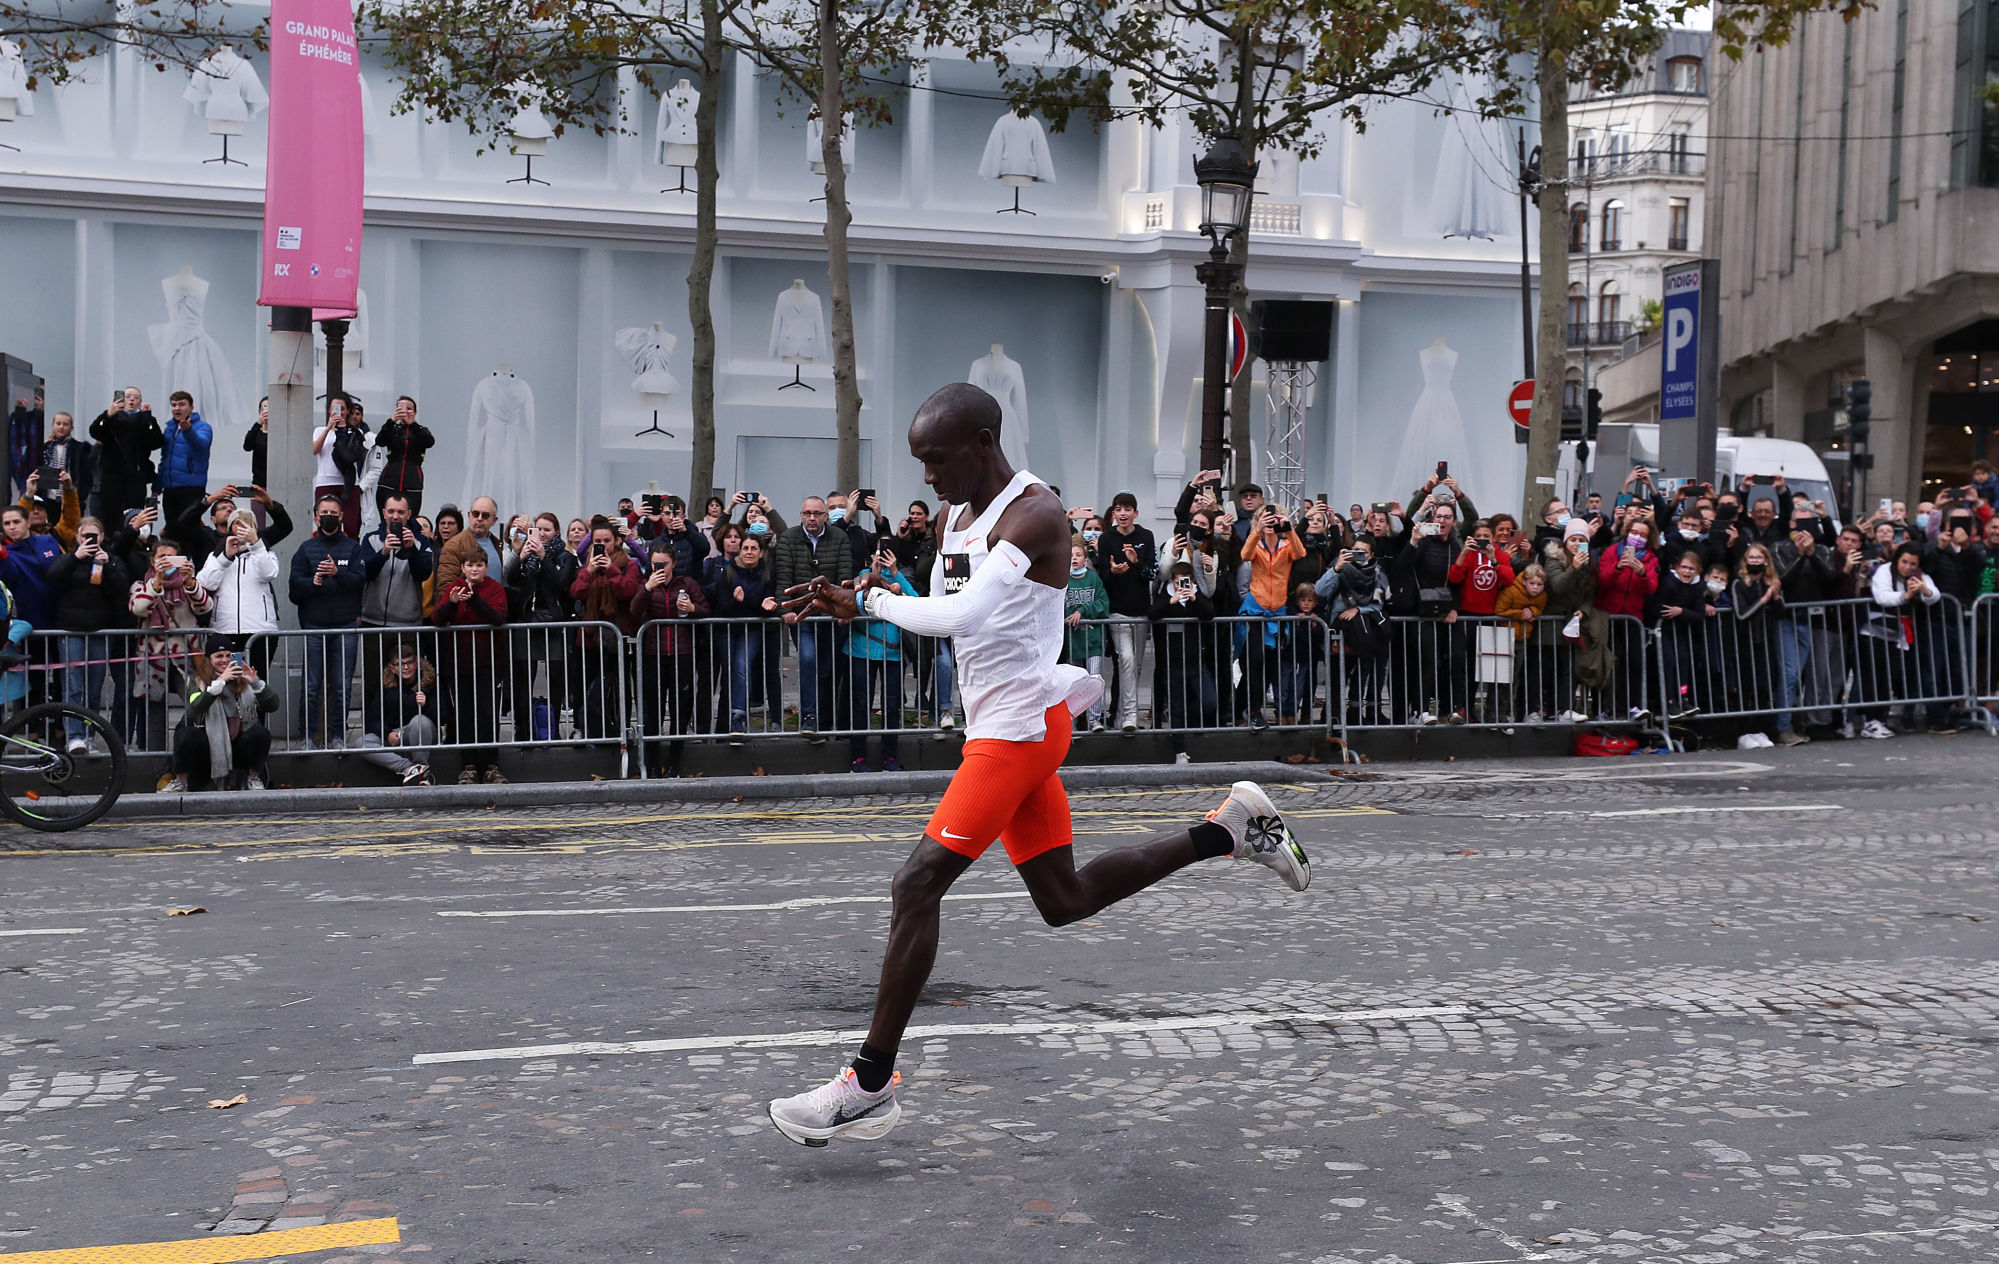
x,y
838,1108
1260,834
1876,731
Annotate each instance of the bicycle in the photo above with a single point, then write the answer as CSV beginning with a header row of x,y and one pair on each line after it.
x,y
45,783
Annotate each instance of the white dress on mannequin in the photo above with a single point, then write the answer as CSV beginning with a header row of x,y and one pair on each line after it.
x,y
499,442
676,124
649,348
14,79
1000,376
798,326
190,359
227,89
1435,432
815,142
1464,202
1017,147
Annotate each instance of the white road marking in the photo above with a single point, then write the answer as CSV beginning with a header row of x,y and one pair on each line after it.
x,y
1722,809
807,1039
51,930
1457,1206
781,906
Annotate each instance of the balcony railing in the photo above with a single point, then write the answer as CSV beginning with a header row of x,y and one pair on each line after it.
x,y
1599,333
1610,245
1677,243
1641,162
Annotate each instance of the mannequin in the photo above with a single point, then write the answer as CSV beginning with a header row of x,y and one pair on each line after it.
x,y
190,358
798,331
1017,155
529,130
1436,430
649,348
1001,377
815,143
16,101
229,94
678,141
499,441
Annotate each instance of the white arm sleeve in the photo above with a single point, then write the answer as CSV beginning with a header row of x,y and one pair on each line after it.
x,y
963,610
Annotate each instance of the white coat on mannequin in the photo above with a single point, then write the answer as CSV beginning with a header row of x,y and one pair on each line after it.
x,y
675,128
798,326
1000,376
649,348
499,447
1017,147
227,89
14,80
815,143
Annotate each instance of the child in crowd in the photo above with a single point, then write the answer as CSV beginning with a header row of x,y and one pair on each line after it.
x,y
1087,602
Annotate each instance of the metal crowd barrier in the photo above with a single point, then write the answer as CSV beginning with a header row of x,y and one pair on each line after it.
x,y
1486,671
1831,662
484,688
1981,653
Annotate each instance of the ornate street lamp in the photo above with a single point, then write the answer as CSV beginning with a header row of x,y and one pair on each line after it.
x,y
1228,185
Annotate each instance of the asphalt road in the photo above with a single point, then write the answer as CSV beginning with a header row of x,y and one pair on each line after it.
x,y
1680,1009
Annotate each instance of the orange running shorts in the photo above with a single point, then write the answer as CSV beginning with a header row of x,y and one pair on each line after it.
x,y
1009,791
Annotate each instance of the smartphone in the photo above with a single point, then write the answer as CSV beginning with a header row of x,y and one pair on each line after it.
x,y
1443,469
865,495
51,480
599,550
754,497
1624,498
1885,506
654,502
153,503
236,661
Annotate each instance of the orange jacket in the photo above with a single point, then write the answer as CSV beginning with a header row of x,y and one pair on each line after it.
x,y
1270,568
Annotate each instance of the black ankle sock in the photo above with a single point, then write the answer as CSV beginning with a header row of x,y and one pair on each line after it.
x,y
872,1068
1211,841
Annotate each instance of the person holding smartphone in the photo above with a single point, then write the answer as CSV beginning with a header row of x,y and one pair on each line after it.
x,y
328,571
665,608
876,648
398,562
1190,658
1271,553
222,736
90,587
1126,555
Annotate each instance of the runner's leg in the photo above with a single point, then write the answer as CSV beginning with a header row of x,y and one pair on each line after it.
x,y
1063,893
912,938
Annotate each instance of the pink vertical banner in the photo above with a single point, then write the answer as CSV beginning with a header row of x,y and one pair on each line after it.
x,y
312,181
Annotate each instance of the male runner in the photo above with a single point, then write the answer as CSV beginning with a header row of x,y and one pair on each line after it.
x,y
997,589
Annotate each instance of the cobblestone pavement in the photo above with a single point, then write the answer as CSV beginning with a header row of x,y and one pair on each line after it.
x,y
1697,1009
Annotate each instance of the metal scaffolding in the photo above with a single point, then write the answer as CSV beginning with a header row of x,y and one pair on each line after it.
x,y
1287,396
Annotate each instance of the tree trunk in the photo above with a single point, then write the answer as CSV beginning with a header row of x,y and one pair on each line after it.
x,y
701,277
1550,338
832,117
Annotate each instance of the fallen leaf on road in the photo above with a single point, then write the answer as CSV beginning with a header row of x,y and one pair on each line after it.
x,y
185,912
216,1103
1467,853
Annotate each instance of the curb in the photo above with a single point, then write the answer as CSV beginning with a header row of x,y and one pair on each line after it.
x,y
682,790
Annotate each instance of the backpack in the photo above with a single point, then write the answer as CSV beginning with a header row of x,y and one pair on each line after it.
x,y
350,451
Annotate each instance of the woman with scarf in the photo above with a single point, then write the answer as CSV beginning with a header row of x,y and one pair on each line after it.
x,y
742,593
222,731
1900,637
170,603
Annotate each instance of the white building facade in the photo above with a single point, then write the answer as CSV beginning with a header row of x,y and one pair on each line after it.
x,y
1636,201
115,198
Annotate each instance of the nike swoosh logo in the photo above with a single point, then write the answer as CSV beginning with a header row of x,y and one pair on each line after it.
x,y
844,1115
963,838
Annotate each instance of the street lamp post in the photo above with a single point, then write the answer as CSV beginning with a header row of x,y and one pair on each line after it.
x,y
1228,183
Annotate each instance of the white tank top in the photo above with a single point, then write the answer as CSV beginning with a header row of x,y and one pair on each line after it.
x,y
1007,672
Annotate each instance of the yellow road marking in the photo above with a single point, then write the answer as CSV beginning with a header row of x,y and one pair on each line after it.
x,y
222,1250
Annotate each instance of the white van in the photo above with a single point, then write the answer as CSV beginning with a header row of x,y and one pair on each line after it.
x,y
1620,445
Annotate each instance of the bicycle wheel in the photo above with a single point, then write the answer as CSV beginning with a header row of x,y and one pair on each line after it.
x,y
47,784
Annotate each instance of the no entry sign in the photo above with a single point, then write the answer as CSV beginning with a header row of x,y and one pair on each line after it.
x,y
1520,403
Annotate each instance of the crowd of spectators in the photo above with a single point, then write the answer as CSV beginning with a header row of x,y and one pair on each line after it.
x,y
157,595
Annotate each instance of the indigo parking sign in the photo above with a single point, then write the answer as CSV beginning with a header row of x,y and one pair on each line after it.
x,y
1679,375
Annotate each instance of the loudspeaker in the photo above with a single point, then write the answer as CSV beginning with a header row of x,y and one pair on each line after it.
x,y
1284,330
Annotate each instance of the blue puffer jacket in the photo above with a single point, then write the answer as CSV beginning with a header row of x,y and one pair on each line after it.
x,y
24,566
184,459
878,639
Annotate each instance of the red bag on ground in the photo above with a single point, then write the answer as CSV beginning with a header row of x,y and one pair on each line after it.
x,y
1593,743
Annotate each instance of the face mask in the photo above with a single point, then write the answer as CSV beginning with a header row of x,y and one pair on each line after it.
x,y
1637,542
1715,585
1079,571
1690,533
1315,538
329,524
1922,522
759,528
836,515
1091,537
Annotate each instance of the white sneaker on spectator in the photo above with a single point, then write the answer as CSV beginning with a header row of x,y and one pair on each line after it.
x,y
251,781
1640,715
1130,728
1575,717
1183,758
1876,730
947,723
414,774
77,746
175,785
1427,717
1847,732
1096,726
